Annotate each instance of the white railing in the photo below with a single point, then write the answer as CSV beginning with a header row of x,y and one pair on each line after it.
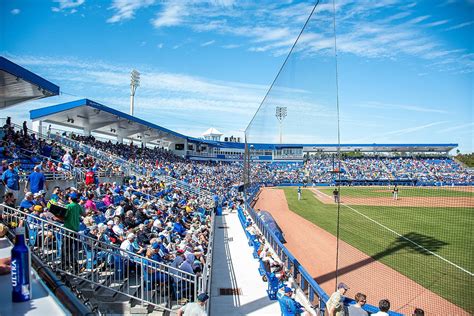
x,y
76,173
105,265
204,194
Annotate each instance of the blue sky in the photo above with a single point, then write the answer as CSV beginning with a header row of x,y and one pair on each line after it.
x,y
405,67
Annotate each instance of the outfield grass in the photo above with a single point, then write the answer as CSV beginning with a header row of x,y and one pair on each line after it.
x,y
445,231
384,191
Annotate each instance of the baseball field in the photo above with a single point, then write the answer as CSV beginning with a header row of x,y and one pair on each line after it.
x,y
423,241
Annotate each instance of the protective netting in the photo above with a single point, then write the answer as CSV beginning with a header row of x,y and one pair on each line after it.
x,y
302,99
400,227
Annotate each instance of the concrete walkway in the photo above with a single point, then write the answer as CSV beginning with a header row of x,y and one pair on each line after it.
x,y
235,267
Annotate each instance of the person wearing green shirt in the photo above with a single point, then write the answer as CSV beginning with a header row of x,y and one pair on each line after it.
x,y
70,246
73,213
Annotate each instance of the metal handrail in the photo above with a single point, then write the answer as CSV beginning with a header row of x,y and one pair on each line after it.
x,y
206,277
78,172
186,186
103,264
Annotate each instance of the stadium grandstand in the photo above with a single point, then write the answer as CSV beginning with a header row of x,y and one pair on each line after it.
x,y
125,216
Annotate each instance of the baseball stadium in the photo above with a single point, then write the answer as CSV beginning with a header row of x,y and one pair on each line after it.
x,y
349,190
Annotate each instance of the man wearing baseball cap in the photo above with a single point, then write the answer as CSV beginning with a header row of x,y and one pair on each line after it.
x,y
334,306
72,220
73,213
288,305
195,309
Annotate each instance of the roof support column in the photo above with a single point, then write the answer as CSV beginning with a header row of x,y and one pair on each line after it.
x,y
185,148
87,127
120,139
143,138
37,126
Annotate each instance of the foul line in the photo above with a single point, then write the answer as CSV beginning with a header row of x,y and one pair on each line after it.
x,y
399,235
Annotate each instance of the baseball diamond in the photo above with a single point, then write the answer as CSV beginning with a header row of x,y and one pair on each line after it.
x,y
375,251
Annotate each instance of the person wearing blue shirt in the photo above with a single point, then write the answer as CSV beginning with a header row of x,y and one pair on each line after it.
x,y
36,181
11,180
47,149
289,306
27,203
179,228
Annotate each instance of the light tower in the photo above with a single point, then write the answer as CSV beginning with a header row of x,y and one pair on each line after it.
x,y
134,84
280,114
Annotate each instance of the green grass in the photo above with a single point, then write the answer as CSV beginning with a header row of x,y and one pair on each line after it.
x,y
379,191
445,231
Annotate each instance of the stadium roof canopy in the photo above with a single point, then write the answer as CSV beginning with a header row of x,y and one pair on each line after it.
x,y
19,85
91,116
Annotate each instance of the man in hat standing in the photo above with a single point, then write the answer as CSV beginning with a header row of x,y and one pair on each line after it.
x,y
72,219
36,181
195,309
11,180
334,306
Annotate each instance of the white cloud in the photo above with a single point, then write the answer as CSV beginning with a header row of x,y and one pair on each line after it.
x,y
459,26
397,107
231,46
67,4
160,45
437,23
458,127
172,15
409,130
363,28
15,11
419,19
208,43
125,9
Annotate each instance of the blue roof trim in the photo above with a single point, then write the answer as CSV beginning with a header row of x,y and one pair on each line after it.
x,y
53,109
20,72
38,113
260,146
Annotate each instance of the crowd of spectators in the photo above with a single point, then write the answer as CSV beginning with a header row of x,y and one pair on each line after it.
x,y
26,151
424,171
145,217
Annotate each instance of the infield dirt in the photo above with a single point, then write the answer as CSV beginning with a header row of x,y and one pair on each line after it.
x,y
407,201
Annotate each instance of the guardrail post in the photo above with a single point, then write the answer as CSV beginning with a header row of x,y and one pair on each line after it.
x,y
296,268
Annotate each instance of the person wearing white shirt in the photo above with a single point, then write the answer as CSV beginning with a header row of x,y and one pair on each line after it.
x,y
130,245
195,309
384,306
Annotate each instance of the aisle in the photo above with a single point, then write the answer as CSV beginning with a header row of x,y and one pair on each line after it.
x,y
235,267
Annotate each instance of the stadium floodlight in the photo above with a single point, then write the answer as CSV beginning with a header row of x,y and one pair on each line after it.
x,y
134,84
280,114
